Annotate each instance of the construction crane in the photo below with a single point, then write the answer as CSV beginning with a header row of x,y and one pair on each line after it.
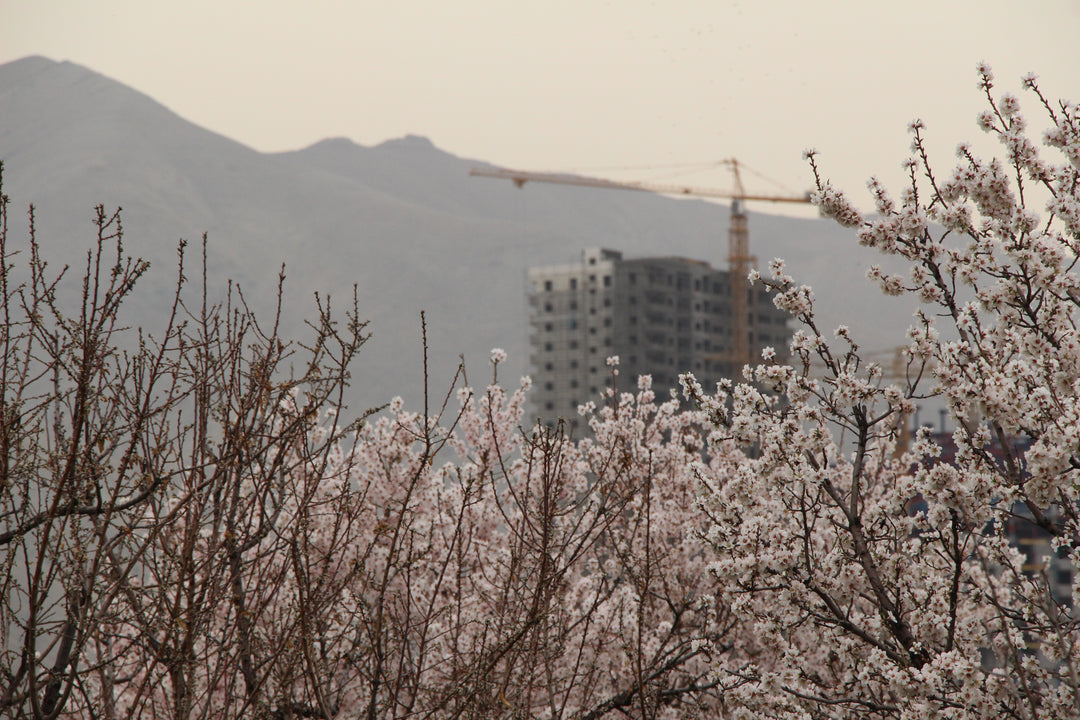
x,y
740,261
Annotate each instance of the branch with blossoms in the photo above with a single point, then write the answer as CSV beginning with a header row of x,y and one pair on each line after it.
x,y
888,581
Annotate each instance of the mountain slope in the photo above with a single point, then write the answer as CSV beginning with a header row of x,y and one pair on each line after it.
x,y
402,221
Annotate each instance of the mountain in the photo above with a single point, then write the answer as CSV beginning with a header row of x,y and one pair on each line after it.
x,y
402,221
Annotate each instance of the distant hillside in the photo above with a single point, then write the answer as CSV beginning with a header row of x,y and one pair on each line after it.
x,y
402,221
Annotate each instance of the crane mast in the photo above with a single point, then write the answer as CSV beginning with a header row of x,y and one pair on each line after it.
x,y
740,261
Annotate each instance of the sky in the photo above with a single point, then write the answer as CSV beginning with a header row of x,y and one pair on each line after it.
x,y
628,89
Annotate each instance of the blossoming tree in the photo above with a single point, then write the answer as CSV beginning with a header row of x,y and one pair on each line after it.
x,y
190,530
444,566
880,581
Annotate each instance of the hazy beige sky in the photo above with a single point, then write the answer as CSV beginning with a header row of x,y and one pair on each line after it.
x,y
575,85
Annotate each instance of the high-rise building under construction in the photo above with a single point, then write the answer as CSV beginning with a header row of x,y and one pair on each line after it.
x,y
661,315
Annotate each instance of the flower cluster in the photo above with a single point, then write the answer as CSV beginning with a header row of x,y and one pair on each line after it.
x,y
883,573
460,564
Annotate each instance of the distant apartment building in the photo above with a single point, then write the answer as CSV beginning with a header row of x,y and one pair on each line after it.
x,y
661,315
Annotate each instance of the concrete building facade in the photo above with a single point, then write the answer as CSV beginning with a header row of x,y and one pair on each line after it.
x,y
661,315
